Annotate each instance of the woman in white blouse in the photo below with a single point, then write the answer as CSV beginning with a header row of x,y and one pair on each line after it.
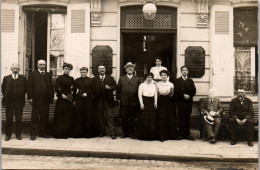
x,y
165,92
147,95
157,68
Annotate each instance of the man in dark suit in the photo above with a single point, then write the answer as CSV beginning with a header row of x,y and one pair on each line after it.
x,y
211,107
127,96
104,85
14,90
241,113
40,95
185,90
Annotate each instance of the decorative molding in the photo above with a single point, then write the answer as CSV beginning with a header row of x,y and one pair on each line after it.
x,y
145,1
95,12
203,13
244,1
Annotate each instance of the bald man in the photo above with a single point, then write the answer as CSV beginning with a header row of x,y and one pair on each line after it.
x,y
14,90
40,95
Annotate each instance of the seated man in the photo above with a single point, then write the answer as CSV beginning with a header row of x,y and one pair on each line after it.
x,y
241,113
211,110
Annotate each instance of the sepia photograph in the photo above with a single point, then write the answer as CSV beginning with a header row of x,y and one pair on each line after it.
x,y
129,84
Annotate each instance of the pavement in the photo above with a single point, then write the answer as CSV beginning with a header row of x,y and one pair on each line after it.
x,y
126,148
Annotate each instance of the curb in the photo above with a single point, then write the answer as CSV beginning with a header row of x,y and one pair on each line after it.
x,y
119,155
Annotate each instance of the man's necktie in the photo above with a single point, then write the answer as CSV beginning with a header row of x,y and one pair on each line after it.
x,y
102,78
15,76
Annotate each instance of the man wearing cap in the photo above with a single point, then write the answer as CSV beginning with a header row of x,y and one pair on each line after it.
x,y
211,109
241,113
40,95
127,96
14,90
185,90
104,85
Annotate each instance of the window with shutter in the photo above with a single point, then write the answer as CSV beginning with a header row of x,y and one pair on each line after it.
x,y
78,21
7,20
222,22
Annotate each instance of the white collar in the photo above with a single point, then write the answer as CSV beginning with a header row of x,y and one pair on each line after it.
x,y
41,71
129,76
102,76
184,78
16,75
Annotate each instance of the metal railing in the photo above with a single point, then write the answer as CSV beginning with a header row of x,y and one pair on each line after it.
x,y
248,83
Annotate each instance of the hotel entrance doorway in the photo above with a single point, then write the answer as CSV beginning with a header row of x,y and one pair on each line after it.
x,y
142,49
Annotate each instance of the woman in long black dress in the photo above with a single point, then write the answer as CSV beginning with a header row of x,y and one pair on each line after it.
x,y
63,115
85,117
147,95
164,111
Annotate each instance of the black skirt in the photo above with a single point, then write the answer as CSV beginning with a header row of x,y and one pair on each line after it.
x,y
85,118
146,125
165,118
63,119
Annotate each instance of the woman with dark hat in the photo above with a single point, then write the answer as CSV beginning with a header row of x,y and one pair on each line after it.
x,y
63,115
164,111
147,95
85,118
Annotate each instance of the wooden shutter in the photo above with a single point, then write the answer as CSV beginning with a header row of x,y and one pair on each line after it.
x,y
8,19
78,21
222,22
78,36
9,36
221,49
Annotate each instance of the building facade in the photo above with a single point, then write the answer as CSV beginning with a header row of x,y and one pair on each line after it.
x,y
216,39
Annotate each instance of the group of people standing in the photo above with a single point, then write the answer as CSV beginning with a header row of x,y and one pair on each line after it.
x,y
85,105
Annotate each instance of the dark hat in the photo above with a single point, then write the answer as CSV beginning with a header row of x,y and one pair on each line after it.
x,y
209,119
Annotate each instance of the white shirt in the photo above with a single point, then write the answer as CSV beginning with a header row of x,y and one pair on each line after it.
x,y
147,90
156,71
164,88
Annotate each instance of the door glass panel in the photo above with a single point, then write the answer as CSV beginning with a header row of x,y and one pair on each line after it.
x,y
29,43
57,37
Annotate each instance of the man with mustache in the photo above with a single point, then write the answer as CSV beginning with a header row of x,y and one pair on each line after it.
x,y
127,96
40,95
14,90
241,113
104,85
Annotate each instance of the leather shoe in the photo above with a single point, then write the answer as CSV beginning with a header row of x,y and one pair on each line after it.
x,y
179,138
123,135
113,136
44,136
189,138
101,135
132,136
233,142
212,139
250,143
33,137
7,138
19,138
